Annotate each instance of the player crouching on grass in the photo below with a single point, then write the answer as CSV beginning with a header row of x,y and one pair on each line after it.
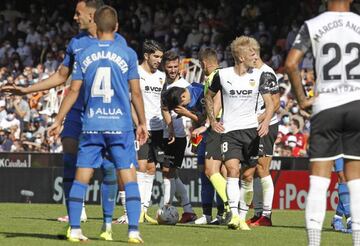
x,y
106,70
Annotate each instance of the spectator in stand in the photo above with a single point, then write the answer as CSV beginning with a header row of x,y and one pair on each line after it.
x,y
24,52
250,12
3,112
194,38
10,14
276,60
22,110
296,139
10,122
5,141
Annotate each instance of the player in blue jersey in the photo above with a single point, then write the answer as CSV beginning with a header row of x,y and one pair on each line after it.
x,y
84,13
104,71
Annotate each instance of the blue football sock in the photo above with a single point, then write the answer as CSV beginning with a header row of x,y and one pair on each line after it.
x,y
108,190
344,198
76,199
133,205
207,194
69,175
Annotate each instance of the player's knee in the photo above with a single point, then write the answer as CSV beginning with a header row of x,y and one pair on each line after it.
x,y
247,177
233,172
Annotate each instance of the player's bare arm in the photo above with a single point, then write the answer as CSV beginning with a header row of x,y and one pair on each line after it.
x,y
263,128
292,68
138,103
181,110
276,101
209,104
217,108
58,78
65,107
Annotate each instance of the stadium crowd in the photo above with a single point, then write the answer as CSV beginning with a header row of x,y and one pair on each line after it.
x,y
33,40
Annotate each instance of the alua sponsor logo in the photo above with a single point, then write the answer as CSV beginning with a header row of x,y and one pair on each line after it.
x,y
104,112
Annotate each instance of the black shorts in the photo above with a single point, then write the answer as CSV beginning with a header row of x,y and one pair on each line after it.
x,y
335,133
266,147
174,153
213,145
153,149
242,145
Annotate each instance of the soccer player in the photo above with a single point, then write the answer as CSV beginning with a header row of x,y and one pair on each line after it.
x,y
84,16
239,86
333,39
175,140
106,69
151,83
343,207
265,154
211,177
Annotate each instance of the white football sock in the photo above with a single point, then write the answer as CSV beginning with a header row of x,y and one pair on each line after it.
x,y
169,190
246,194
354,190
141,183
268,195
233,192
181,191
149,181
316,202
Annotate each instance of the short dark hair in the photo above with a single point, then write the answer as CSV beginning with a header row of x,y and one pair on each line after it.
x,y
296,123
95,4
207,53
106,19
170,56
172,97
150,46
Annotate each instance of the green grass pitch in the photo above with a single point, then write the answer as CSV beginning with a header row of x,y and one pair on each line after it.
x,y
35,224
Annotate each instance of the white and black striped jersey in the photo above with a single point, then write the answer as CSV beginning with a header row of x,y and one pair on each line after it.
x,y
273,89
334,38
178,122
239,96
151,87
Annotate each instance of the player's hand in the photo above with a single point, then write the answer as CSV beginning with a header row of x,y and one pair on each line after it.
x,y
306,103
142,134
263,128
171,135
55,129
13,89
217,127
181,111
198,131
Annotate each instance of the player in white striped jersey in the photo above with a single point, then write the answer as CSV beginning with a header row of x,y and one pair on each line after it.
x,y
263,197
333,38
239,87
175,140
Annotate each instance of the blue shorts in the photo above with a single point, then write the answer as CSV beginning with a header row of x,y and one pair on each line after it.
x,y
201,150
339,165
120,148
72,124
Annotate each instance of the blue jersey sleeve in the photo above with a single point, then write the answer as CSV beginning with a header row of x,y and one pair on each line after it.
x,y
133,65
69,55
77,73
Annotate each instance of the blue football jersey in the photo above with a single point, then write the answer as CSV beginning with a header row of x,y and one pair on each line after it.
x,y
105,69
197,97
78,43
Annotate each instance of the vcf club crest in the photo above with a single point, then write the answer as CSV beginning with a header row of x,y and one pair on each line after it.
x,y
161,81
252,82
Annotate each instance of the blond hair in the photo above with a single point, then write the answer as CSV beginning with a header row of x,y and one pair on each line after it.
x,y
254,44
239,46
